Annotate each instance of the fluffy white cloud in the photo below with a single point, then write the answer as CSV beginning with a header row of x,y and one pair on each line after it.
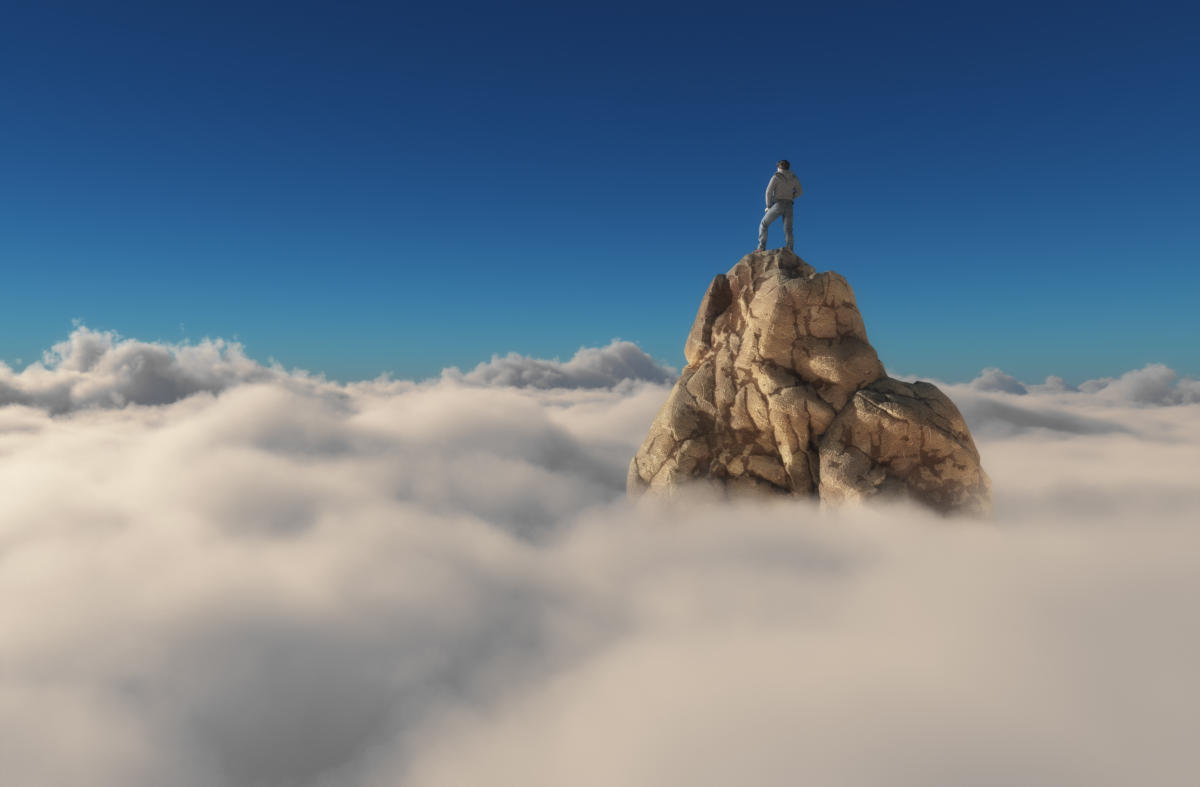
x,y
1053,384
100,369
590,367
1152,384
291,582
995,380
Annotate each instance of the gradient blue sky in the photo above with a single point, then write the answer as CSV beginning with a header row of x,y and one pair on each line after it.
x,y
356,188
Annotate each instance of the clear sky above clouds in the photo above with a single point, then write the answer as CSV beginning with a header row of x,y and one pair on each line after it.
x,y
354,188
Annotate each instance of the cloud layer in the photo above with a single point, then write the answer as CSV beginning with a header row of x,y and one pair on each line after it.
x,y
243,576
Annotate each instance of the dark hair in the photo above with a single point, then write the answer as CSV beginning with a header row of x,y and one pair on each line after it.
x,y
784,164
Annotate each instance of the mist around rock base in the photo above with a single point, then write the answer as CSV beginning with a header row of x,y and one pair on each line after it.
x,y
264,578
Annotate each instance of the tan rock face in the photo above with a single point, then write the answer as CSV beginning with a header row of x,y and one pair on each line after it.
x,y
898,439
784,394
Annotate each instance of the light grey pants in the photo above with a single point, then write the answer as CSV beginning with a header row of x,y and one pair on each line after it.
x,y
782,207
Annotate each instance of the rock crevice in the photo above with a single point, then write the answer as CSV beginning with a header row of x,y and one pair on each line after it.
x,y
784,394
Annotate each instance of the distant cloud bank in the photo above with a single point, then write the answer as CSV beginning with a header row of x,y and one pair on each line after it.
x,y
590,367
101,369
1154,384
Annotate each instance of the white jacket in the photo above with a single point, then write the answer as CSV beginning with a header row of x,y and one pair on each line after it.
x,y
784,185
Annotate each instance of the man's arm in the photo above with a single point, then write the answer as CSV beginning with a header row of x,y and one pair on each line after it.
x,y
771,190
796,190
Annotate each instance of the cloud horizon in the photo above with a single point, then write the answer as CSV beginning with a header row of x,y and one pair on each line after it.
x,y
101,368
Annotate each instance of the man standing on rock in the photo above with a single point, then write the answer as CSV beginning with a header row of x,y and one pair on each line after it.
x,y
783,188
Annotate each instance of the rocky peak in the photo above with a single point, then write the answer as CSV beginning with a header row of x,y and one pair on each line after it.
x,y
782,393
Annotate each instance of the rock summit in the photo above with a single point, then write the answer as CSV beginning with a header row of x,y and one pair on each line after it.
x,y
783,394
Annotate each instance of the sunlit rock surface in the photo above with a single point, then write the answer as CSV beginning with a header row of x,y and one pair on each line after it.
x,y
783,394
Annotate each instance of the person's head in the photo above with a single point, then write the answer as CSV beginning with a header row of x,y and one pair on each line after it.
x,y
783,164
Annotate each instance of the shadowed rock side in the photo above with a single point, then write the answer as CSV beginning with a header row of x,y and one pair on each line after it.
x,y
783,394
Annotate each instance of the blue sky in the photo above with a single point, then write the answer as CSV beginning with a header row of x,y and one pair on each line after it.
x,y
359,188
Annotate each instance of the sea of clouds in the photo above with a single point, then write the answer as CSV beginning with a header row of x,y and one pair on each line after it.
x,y
218,573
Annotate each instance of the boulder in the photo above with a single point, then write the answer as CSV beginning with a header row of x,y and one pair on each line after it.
x,y
784,394
903,440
